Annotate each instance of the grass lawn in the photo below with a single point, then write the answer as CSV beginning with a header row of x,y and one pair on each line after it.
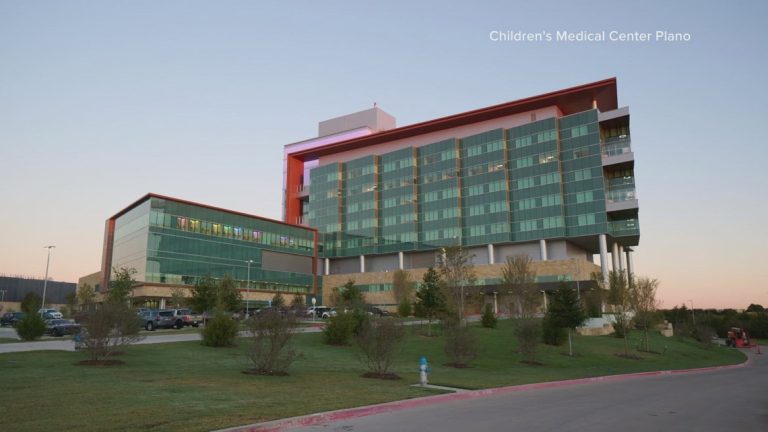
x,y
185,386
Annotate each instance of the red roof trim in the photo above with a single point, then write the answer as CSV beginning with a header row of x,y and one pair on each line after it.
x,y
482,114
210,207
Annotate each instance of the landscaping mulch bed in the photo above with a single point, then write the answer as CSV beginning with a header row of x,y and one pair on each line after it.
x,y
629,356
99,363
457,365
382,376
265,373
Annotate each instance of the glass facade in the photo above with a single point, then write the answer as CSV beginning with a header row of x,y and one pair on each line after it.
x,y
172,242
544,179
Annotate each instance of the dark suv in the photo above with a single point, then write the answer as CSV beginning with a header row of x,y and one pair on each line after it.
x,y
158,319
11,318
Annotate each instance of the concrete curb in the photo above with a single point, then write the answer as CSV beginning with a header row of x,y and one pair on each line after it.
x,y
388,407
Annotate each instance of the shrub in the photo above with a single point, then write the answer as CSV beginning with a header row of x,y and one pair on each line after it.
x,y
31,327
459,342
489,319
270,350
528,334
340,329
220,331
704,334
378,340
621,325
404,308
552,334
108,328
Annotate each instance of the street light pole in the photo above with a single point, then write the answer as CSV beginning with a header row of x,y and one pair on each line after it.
x,y
248,289
45,281
693,314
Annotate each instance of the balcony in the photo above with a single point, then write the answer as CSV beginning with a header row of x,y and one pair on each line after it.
x,y
621,198
302,191
617,151
624,228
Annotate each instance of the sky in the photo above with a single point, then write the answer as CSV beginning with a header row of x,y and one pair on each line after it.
x,y
103,102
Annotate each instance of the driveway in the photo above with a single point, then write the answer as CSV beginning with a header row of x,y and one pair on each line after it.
x,y
725,400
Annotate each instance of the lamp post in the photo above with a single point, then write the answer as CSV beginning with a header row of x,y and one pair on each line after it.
x,y
248,289
693,314
45,281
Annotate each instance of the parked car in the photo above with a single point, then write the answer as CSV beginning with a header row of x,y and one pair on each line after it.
x,y
11,318
60,327
375,310
158,319
185,318
321,312
50,314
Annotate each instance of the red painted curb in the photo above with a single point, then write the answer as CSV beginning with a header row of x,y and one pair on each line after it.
x,y
345,414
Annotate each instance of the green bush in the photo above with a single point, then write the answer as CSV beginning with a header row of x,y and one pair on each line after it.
x,y
340,329
31,327
489,319
551,334
404,308
220,331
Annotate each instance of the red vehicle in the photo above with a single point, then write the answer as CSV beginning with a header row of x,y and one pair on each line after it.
x,y
737,338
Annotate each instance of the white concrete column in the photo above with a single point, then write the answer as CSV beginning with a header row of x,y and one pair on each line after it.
x,y
621,257
495,304
630,267
615,256
327,266
401,260
162,303
491,259
362,263
604,257
543,249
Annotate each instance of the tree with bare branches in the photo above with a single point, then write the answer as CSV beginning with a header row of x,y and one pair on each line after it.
x,y
645,304
518,279
458,274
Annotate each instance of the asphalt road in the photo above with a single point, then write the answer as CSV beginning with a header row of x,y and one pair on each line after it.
x,y
728,400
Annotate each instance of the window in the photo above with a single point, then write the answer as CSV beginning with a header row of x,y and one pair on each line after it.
x,y
477,210
474,150
523,142
495,146
552,222
578,131
499,228
584,174
528,225
547,157
582,197
496,207
580,153
549,178
586,219
524,162
525,183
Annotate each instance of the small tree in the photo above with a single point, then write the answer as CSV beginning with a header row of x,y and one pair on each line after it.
x,y
350,296
270,337
528,333
121,285
31,303
488,318
31,327
565,311
402,288
278,301
430,298
753,307
458,274
619,296
518,279
178,297
645,304
297,303
86,297
208,294
378,340
459,342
